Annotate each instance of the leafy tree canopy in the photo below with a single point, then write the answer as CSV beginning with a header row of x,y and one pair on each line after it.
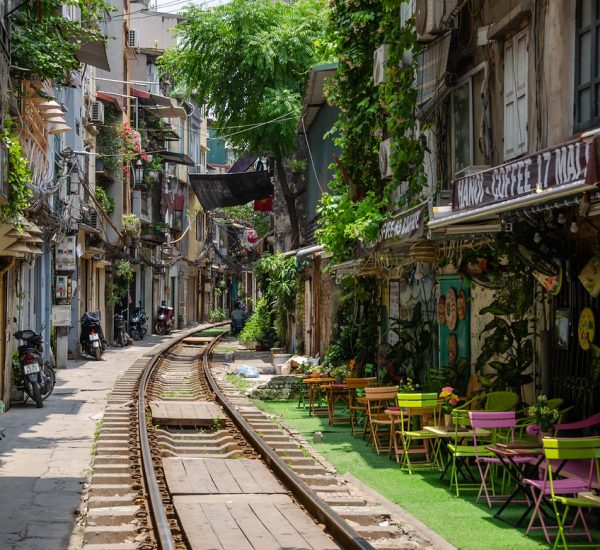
x,y
45,44
249,61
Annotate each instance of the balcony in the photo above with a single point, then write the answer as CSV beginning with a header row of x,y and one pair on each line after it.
x,y
142,206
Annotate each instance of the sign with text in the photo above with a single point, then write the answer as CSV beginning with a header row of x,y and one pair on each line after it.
x,y
61,316
65,254
405,226
550,168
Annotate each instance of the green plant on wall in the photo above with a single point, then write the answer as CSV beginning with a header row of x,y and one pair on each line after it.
x,y
118,288
106,201
413,347
507,338
258,327
132,226
19,178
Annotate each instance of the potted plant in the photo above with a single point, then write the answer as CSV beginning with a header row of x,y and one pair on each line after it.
x,y
339,372
545,417
449,403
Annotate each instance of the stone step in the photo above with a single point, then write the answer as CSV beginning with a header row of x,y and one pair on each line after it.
x,y
371,532
106,534
318,480
110,478
111,515
363,515
341,500
101,489
105,501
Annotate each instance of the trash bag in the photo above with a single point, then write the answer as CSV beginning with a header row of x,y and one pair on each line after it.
x,y
248,371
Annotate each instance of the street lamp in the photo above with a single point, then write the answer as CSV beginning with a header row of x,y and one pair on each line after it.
x,y
138,173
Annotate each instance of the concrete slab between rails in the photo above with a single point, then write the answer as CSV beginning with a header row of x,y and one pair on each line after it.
x,y
397,511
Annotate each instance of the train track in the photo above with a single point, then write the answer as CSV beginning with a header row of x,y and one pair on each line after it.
x,y
137,502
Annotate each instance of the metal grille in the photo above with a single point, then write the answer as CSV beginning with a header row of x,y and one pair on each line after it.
x,y
571,371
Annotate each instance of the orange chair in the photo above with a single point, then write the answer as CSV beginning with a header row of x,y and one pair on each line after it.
x,y
377,401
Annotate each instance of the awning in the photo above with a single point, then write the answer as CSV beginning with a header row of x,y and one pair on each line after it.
x,y
404,227
151,99
218,190
109,99
177,158
315,96
93,53
174,110
550,174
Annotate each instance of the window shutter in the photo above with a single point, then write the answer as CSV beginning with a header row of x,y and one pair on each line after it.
x,y
509,101
515,96
520,51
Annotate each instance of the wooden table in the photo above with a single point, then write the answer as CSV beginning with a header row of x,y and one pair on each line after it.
x,y
507,455
314,385
337,393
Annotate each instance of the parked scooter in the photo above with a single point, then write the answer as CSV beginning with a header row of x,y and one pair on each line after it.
x,y
164,319
121,337
91,338
37,376
138,327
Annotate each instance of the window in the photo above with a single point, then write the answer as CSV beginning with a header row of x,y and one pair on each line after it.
x,y
587,64
200,227
462,126
515,95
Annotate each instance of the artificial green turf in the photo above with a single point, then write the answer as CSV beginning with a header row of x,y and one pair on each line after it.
x,y
460,520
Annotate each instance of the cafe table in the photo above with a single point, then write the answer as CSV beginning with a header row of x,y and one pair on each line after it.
x,y
445,433
337,393
315,385
508,454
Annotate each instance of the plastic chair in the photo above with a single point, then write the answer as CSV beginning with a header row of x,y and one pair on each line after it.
x,y
571,449
377,400
415,407
492,401
460,453
502,426
355,407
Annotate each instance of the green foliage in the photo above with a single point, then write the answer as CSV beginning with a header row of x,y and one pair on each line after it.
x,y
19,177
246,215
106,201
277,278
414,345
109,144
508,345
44,43
248,61
355,334
358,205
455,375
544,415
258,327
132,225
217,315
118,288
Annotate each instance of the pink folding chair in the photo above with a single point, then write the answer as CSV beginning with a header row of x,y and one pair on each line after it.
x,y
502,427
540,488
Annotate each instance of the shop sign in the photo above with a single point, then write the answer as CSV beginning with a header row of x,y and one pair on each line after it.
x,y
65,254
405,226
550,168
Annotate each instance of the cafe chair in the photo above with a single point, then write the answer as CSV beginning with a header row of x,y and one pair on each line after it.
x,y
358,408
492,401
377,400
564,492
415,411
501,425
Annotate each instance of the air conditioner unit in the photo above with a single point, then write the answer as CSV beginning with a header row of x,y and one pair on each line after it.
x,y
470,170
431,16
380,57
133,39
92,218
97,112
385,166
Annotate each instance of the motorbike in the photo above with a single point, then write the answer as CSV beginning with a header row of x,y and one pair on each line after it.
x,y
138,327
164,320
91,338
121,337
37,375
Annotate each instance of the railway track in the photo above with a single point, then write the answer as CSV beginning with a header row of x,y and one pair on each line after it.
x,y
184,461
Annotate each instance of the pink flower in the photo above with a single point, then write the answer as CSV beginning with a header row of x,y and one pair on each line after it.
x,y
453,401
448,389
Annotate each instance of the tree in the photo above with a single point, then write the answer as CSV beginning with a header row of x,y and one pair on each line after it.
x,y
248,61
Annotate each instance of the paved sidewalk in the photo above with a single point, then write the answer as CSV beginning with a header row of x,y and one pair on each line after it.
x,y
45,456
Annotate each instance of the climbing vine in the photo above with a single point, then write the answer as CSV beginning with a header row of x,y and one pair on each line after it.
x,y
19,176
360,200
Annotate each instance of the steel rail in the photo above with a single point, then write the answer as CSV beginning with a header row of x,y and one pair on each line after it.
x,y
160,520
339,529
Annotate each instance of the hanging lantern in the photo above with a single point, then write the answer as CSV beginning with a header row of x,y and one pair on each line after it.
x,y
138,173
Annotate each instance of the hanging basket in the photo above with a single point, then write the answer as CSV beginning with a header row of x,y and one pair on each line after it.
x,y
423,251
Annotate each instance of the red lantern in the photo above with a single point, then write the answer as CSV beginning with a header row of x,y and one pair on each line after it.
x,y
263,205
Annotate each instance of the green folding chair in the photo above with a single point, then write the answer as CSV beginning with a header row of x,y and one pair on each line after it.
x,y
417,410
572,449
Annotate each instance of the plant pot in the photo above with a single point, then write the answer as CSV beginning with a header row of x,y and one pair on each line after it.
x,y
448,423
545,433
339,379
